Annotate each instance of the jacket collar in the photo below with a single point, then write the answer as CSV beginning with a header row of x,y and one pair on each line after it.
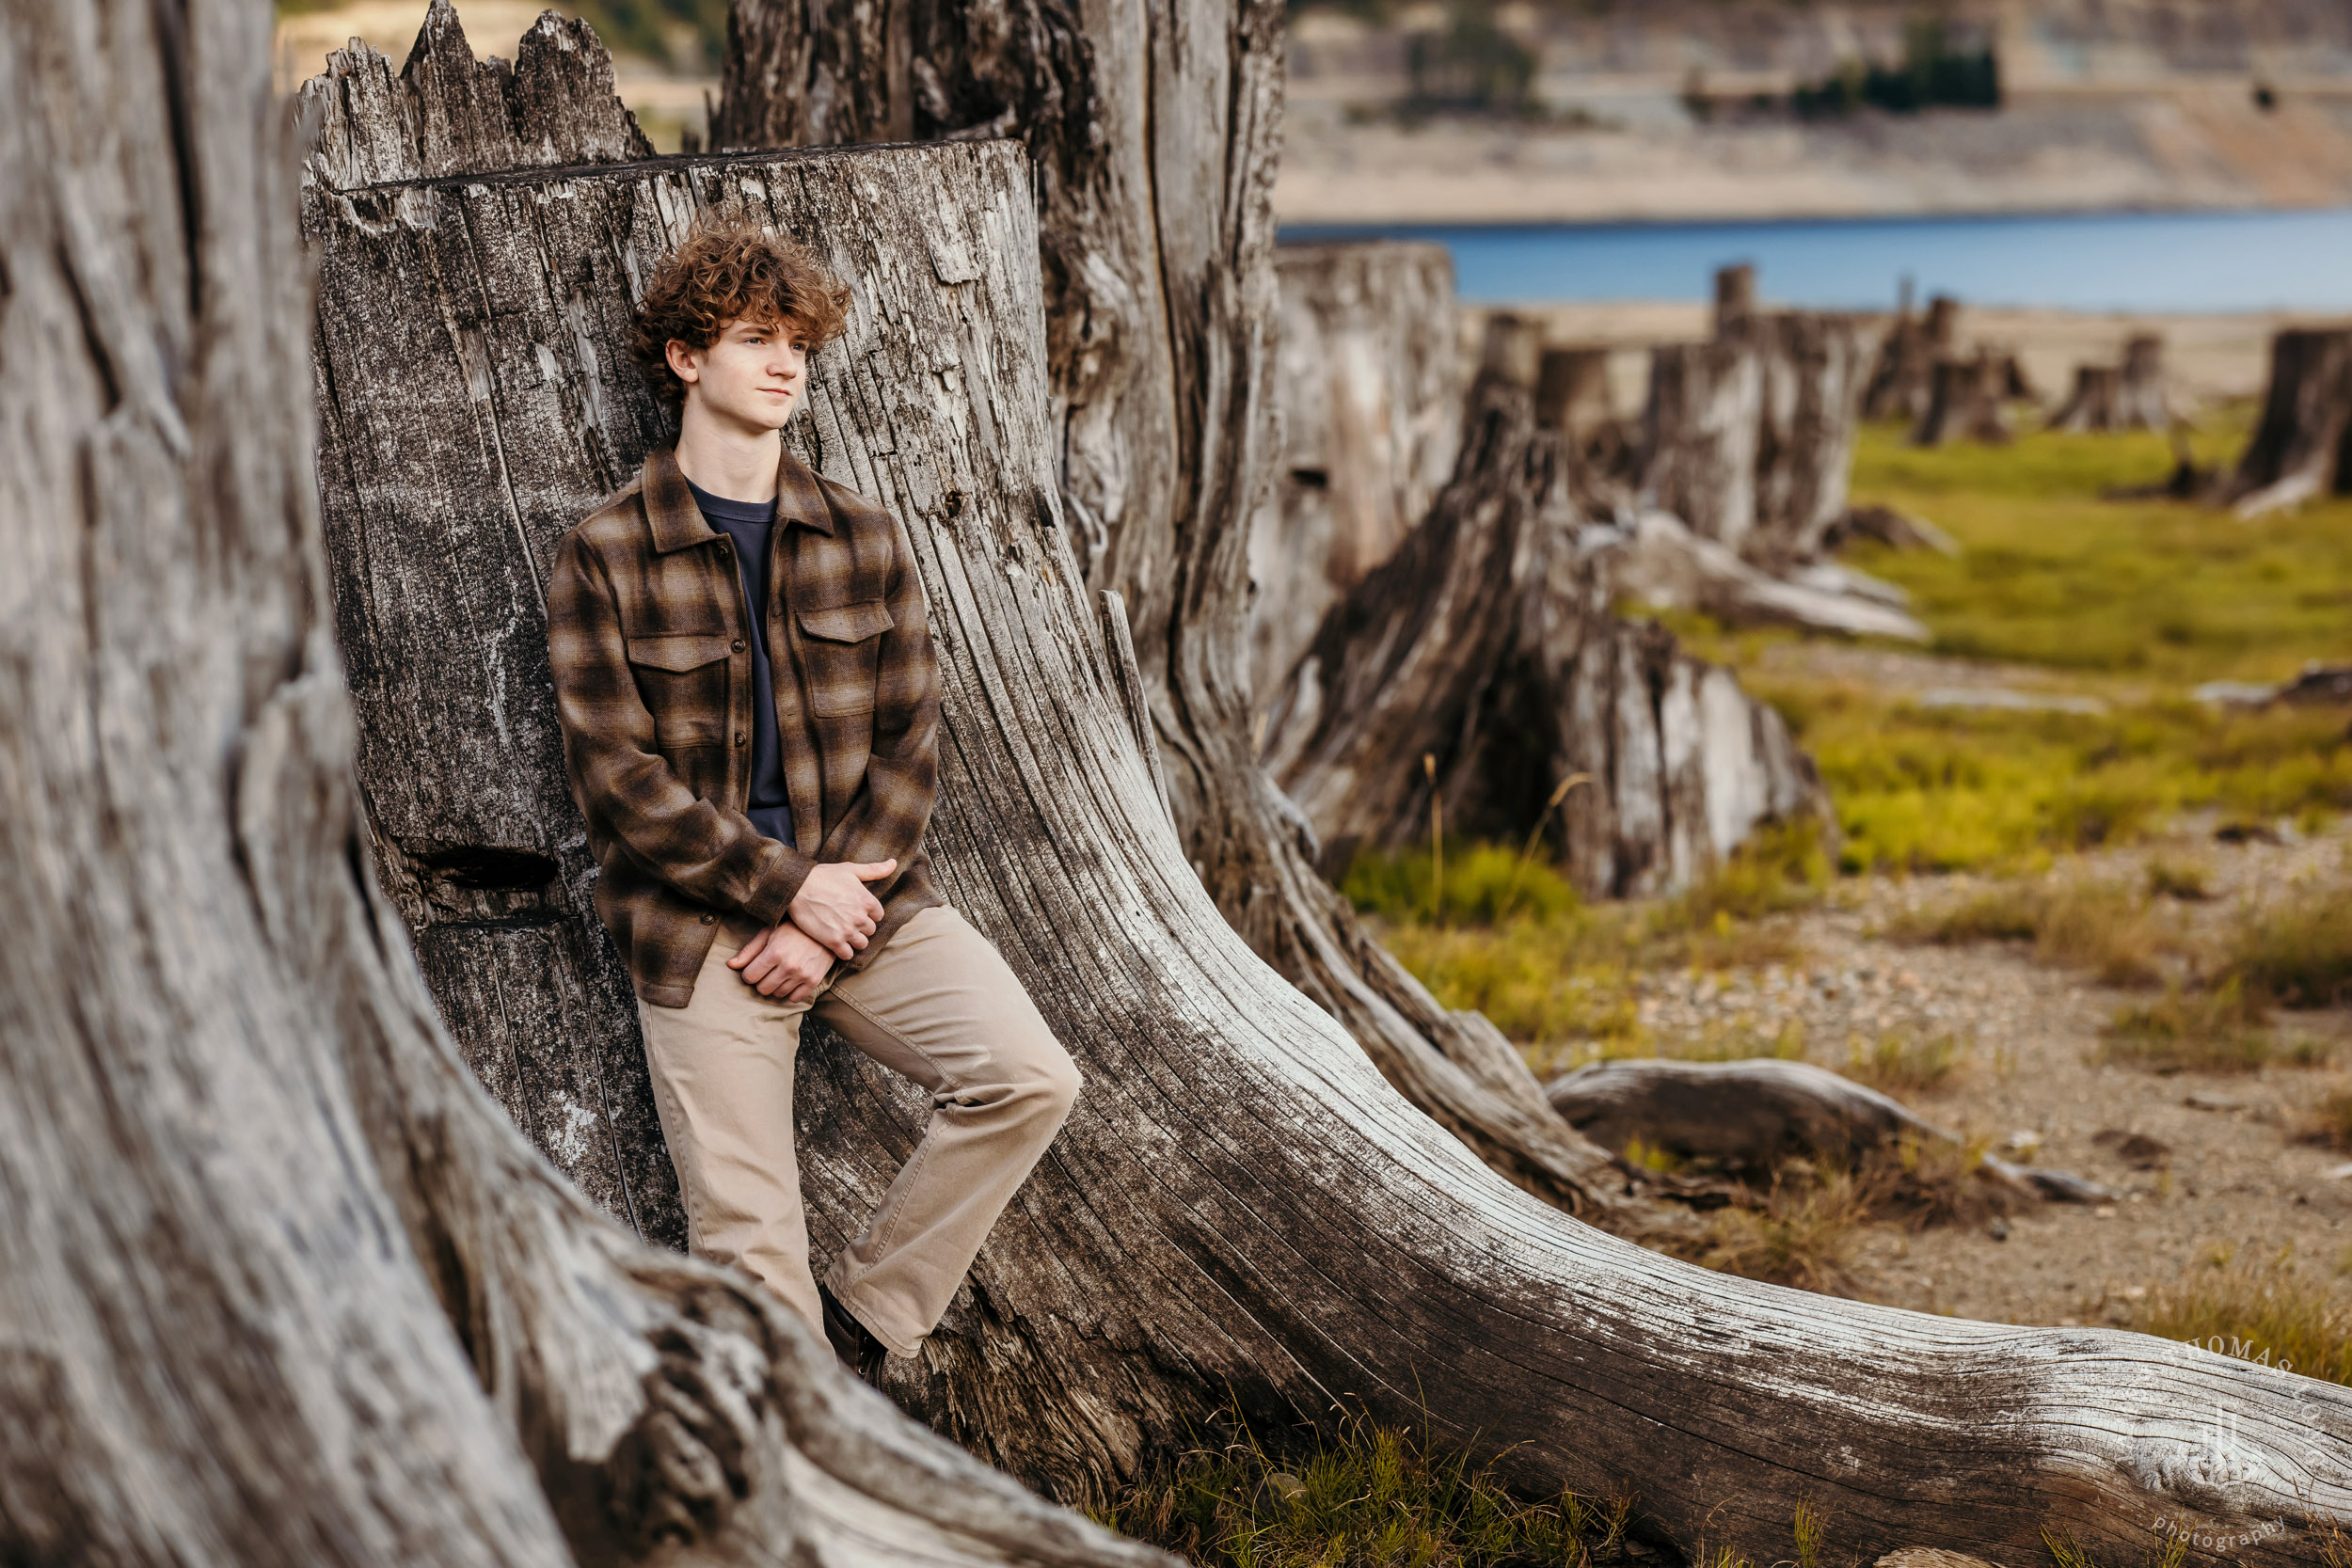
x,y
677,522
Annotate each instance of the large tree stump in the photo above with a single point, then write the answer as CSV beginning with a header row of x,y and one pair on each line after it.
x,y
1487,642
1368,375
281,1285
2303,446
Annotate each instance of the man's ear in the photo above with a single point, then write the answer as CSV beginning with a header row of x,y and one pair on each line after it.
x,y
681,357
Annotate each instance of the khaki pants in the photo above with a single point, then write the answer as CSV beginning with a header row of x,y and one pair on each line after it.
x,y
938,1005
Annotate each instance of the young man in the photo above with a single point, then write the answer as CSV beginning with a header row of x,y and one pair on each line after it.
x,y
750,707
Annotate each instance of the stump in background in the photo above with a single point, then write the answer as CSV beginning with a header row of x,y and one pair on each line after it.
x,y
1966,404
1749,438
1902,384
1368,374
2303,446
2129,396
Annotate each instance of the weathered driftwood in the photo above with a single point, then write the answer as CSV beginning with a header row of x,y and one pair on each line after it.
x,y
280,1284
1885,525
1152,131
2303,446
1749,1116
1903,382
1966,402
2129,396
1368,374
1487,642
1661,563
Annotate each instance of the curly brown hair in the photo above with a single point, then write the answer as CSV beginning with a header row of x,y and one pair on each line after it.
x,y
728,272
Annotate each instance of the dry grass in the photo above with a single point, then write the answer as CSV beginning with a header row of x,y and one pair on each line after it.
x,y
2212,1031
2075,923
2329,1123
1363,1493
1807,1220
1804,1233
1900,1064
1509,937
2272,1312
2191,882
2298,954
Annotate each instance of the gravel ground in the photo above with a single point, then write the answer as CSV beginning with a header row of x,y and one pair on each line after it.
x,y
2226,1172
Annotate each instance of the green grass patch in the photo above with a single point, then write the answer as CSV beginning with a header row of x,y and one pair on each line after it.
x,y
1900,1064
1507,936
2055,573
1952,789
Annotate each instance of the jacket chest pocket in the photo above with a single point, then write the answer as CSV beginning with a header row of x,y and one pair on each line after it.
x,y
683,679
842,645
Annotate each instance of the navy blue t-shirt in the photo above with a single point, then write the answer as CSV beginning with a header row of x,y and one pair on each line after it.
x,y
750,523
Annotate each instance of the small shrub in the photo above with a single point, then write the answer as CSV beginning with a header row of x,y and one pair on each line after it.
x,y
2212,1031
2268,1313
1923,1185
2186,880
1803,1234
2329,1122
2299,955
1900,1064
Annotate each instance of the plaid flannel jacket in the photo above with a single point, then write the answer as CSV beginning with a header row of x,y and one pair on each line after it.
x,y
653,689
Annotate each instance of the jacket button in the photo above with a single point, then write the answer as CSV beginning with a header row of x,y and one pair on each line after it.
x,y
708,918
738,644
739,738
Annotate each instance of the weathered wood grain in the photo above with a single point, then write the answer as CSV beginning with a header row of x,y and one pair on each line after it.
x,y
281,1285
1368,376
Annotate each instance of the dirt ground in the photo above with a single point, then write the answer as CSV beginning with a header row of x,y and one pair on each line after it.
x,y
2229,1174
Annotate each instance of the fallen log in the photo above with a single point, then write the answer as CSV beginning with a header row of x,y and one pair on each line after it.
x,y
2299,449
1748,1116
1368,375
1660,563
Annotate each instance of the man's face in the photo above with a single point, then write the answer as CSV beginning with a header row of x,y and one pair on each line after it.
x,y
751,376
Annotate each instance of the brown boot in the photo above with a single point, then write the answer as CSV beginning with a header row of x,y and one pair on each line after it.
x,y
852,1341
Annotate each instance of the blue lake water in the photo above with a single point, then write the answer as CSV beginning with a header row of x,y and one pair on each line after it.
x,y
2293,260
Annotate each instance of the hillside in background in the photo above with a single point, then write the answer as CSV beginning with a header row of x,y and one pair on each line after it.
x,y
1480,112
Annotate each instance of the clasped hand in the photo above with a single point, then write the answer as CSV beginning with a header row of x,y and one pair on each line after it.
x,y
833,916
